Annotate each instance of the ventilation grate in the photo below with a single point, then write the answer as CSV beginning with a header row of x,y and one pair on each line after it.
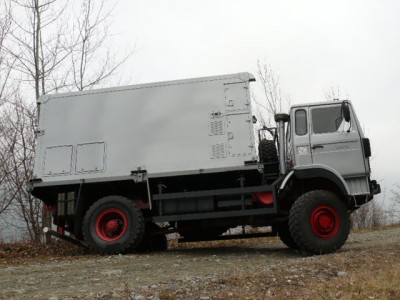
x,y
217,127
218,150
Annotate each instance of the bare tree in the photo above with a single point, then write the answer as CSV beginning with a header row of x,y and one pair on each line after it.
x,y
394,208
39,43
5,64
396,194
91,28
53,50
369,215
39,46
5,70
17,144
333,93
59,49
273,99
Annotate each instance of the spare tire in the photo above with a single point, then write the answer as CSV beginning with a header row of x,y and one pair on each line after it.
x,y
267,151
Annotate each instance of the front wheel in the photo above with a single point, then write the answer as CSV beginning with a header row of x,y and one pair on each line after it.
x,y
319,222
285,235
113,225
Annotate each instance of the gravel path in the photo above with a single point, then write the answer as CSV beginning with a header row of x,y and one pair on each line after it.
x,y
145,276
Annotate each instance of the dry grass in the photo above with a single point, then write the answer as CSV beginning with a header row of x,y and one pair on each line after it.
x,y
376,228
376,284
10,252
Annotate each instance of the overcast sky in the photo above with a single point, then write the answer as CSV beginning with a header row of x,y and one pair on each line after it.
x,y
311,44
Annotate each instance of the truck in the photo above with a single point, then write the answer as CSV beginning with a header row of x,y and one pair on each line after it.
x,y
119,168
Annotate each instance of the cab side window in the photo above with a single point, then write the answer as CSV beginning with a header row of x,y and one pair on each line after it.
x,y
326,119
301,122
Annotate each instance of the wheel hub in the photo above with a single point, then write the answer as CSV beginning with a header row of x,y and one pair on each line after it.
x,y
325,222
111,225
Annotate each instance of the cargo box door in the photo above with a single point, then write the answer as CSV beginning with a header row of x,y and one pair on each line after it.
x,y
240,135
236,97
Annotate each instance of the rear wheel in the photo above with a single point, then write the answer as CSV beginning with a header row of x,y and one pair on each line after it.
x,y
319,222
113,225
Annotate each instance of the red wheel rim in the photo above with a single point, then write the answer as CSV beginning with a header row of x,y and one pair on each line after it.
x,y
111,225
325,222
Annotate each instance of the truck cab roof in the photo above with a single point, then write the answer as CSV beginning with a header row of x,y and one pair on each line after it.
x,y
319,103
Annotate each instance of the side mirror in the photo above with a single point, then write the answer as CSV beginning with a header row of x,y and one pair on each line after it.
x,y
346,111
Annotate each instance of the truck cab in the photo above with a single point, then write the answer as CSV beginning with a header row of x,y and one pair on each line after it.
x,y
327,138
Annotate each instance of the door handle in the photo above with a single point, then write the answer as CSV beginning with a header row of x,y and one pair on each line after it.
x,y
317,146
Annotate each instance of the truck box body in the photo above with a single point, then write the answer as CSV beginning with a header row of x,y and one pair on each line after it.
x,y
168,128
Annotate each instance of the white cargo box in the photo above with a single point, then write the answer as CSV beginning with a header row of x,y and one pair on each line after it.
x,y
168,128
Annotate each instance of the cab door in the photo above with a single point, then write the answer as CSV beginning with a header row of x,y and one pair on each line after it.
x,y
335,142
300,134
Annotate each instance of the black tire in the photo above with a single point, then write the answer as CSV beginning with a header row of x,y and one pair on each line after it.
x,y
267,151
151,241
319,222
285,235
113,225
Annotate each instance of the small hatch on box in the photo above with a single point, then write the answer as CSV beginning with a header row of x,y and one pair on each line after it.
x,y
90,157
58,160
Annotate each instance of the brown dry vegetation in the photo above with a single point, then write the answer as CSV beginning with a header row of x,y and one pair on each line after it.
x,y
14,252
368,267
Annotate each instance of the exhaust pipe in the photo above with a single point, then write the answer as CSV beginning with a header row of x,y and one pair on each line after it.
x,y
281,119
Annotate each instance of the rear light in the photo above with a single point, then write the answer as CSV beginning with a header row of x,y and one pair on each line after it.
x,y
49,207
60,229
265,198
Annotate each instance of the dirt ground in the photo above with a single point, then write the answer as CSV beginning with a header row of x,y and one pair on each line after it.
x,y
367,267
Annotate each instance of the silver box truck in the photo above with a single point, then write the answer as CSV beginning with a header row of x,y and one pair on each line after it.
x,y
112,164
